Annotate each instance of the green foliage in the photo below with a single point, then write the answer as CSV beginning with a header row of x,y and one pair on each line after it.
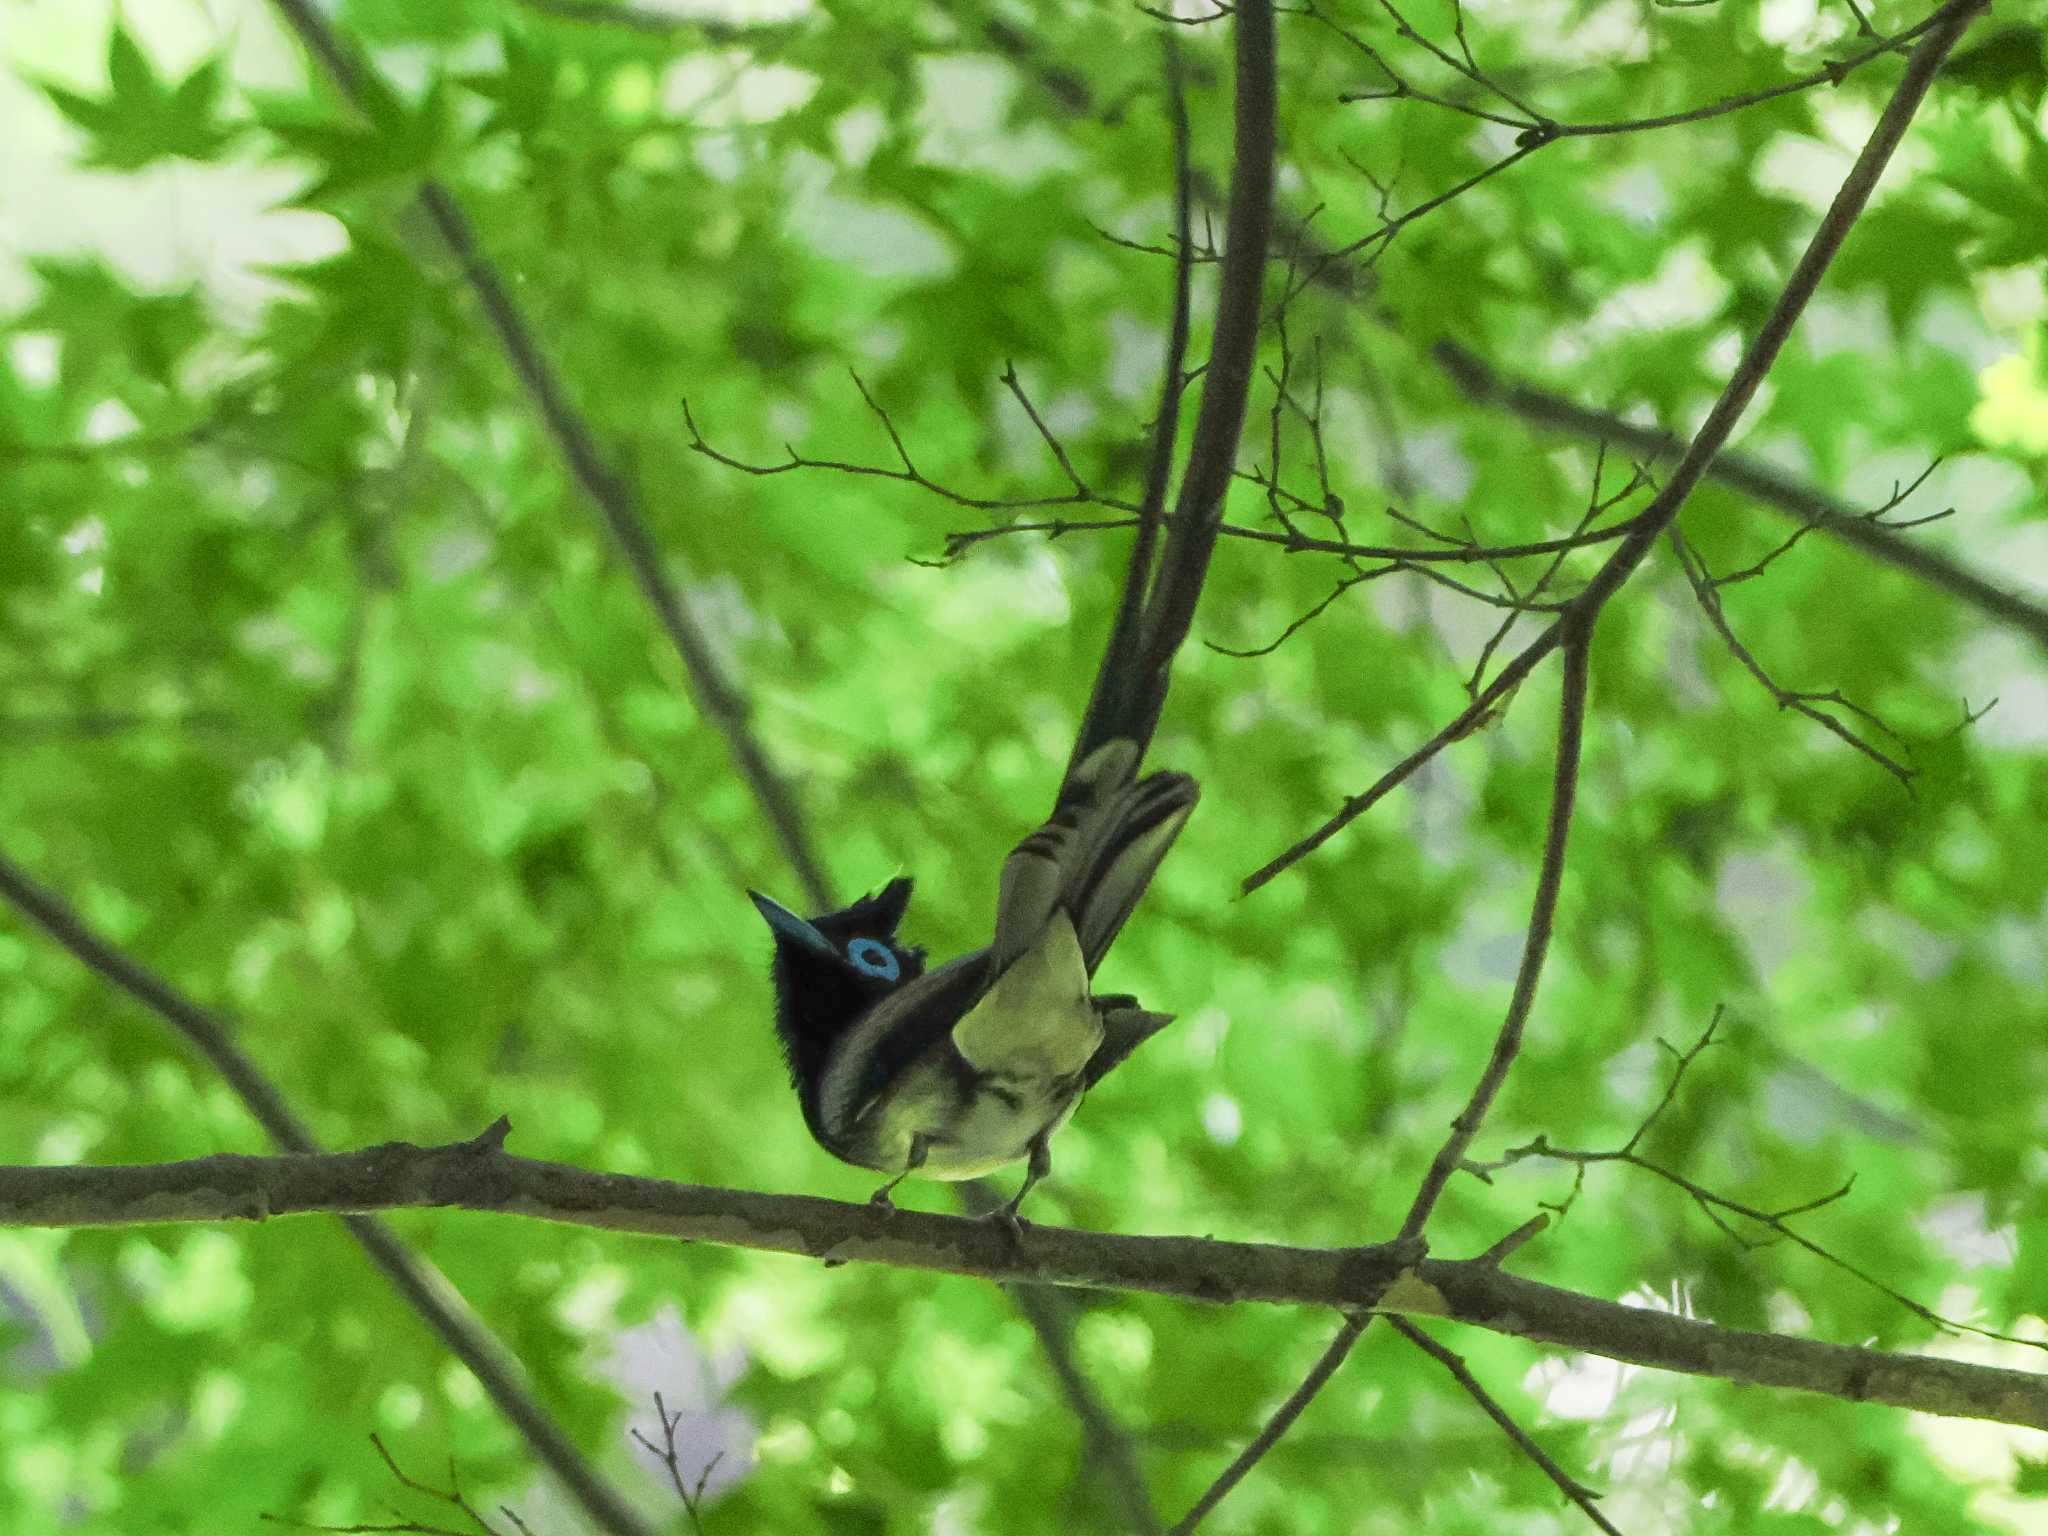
x,y
323,690
143,119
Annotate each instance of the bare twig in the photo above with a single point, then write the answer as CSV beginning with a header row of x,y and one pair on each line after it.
x,y
1296,542
692,1496
1568,1485
1763,483
1713,434
908,473
1874,517
452,1496
1800,701
1482,384
1716,1207
1538,128
1275,1427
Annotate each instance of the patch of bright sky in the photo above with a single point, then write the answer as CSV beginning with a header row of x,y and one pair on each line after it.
x,y
960,122
2012,405
173,224
1790,23
725,89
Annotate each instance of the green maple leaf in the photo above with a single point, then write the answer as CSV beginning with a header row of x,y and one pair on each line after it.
x,y
142,119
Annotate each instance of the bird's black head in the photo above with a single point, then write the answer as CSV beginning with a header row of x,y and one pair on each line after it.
x,y
829,970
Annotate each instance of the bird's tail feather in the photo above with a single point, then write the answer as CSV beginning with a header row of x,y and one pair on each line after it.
x,y
1094,856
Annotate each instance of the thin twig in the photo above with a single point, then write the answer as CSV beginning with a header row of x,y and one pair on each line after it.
x,y
1843,212
1764,483
1482,384
1571,723
1799,701
1282,1420
1295,543
1568,1485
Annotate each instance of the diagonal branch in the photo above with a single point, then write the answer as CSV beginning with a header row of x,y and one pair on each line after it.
x,y
1275,1427
479,1175
723,704
1568,1485
1705,590
1106,1444
1574,631
1507,1045
423,1286
1764,483
1570,732
1846,208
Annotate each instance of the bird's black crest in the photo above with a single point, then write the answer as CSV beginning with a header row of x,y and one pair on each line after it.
x,y
819,996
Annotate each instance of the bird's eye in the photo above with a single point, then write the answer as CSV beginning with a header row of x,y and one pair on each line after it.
x,y
872,958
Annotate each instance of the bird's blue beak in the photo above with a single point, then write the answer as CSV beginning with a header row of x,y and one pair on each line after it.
x,y
788,925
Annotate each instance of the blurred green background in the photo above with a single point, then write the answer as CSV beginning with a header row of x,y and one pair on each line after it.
x,y
322,691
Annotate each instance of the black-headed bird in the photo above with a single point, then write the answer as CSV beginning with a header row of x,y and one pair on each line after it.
x,y
954,1072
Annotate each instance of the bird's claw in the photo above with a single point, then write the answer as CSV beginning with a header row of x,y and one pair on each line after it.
x,y
1006,1217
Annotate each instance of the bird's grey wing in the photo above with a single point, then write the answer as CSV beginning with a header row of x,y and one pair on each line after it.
x,y
901,1027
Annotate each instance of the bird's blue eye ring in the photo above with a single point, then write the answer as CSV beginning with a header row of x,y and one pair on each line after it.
x,y
873,958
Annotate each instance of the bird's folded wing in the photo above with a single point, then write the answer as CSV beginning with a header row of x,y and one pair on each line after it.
x,y
1037,1022
903,1027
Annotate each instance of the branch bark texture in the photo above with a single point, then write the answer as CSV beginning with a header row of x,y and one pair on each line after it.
x,y
479,1176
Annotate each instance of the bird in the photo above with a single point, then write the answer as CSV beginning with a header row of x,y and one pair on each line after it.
x,y
953,1072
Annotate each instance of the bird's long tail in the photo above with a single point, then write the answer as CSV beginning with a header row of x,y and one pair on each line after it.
x,y
1094,856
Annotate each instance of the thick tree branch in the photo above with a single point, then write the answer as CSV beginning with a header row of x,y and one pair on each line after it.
x,y
423,1286
478,1175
